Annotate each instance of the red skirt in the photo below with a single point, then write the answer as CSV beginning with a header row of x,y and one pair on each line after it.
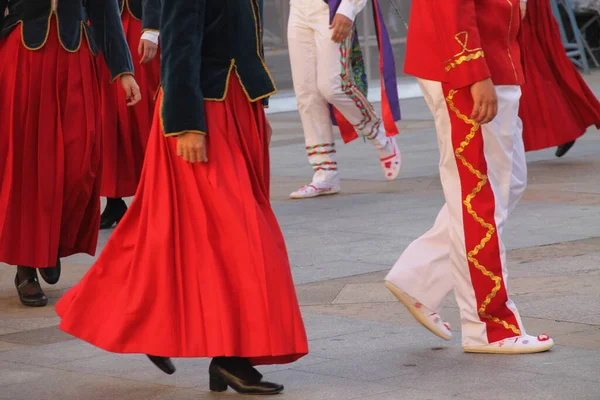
x,y
198,266
50,151
557,105
126,129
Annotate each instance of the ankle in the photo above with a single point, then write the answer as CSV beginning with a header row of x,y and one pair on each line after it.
x,y
114,201
239,367
25,273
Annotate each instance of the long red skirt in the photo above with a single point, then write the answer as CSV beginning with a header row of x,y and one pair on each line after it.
x,y
126,129
198,266
50,151
557,105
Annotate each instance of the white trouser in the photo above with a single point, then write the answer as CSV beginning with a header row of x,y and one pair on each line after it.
x,y
322,74
439,260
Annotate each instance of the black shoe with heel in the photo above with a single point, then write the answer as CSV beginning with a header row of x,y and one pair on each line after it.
x,y
163,363
36,299
113,213
241,376
51,275
564,148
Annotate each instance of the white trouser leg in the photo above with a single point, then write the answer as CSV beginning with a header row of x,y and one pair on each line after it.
x,y
313,107
336,83
423,269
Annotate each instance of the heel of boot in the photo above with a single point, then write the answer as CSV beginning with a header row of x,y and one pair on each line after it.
x,y
217,384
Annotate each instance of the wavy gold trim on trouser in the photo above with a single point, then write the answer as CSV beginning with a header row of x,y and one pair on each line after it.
x,y
483,179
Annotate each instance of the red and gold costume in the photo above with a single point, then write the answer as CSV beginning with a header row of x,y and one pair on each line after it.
x,y
460,42
451,45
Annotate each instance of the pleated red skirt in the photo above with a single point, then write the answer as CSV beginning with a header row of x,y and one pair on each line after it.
x,y
50,151
126,129
198,266
557,105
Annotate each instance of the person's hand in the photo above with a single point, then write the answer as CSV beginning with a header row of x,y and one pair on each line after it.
x,y
269,132
131,88
147,50
342,27
485,102
523,9
192,147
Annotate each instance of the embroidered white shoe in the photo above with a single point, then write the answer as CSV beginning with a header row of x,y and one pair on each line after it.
x,y
426,317
525,344
391,164
314,190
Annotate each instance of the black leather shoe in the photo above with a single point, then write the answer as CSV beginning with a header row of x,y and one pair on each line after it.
x,y
251,383
163,363
113,213
37,299
51,275
564,148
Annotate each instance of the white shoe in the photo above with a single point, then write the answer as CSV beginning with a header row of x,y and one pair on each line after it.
x,y
525,344
315,190
426,317
391,164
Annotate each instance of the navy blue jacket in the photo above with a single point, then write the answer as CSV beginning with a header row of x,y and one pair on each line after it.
x,y
203,42
147,11
105,31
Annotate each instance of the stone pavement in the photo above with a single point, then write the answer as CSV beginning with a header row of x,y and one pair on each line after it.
x,y
364,345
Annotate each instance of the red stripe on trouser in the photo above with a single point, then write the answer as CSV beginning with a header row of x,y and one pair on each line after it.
x,y
481,237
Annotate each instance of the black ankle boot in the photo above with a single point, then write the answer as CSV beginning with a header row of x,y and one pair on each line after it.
x,y
163,363
240,375
113,213
51,275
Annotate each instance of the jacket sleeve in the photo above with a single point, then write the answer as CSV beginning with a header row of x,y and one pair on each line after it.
x,y
351,8
261,8
105,21
182,31
151,15
462,52
3,5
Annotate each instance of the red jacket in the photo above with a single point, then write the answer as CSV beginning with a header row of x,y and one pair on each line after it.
x,y
460,42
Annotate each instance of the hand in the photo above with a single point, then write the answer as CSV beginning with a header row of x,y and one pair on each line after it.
x,y
485,102
131,88
147,50
342,27
269,132
192,147
523,9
